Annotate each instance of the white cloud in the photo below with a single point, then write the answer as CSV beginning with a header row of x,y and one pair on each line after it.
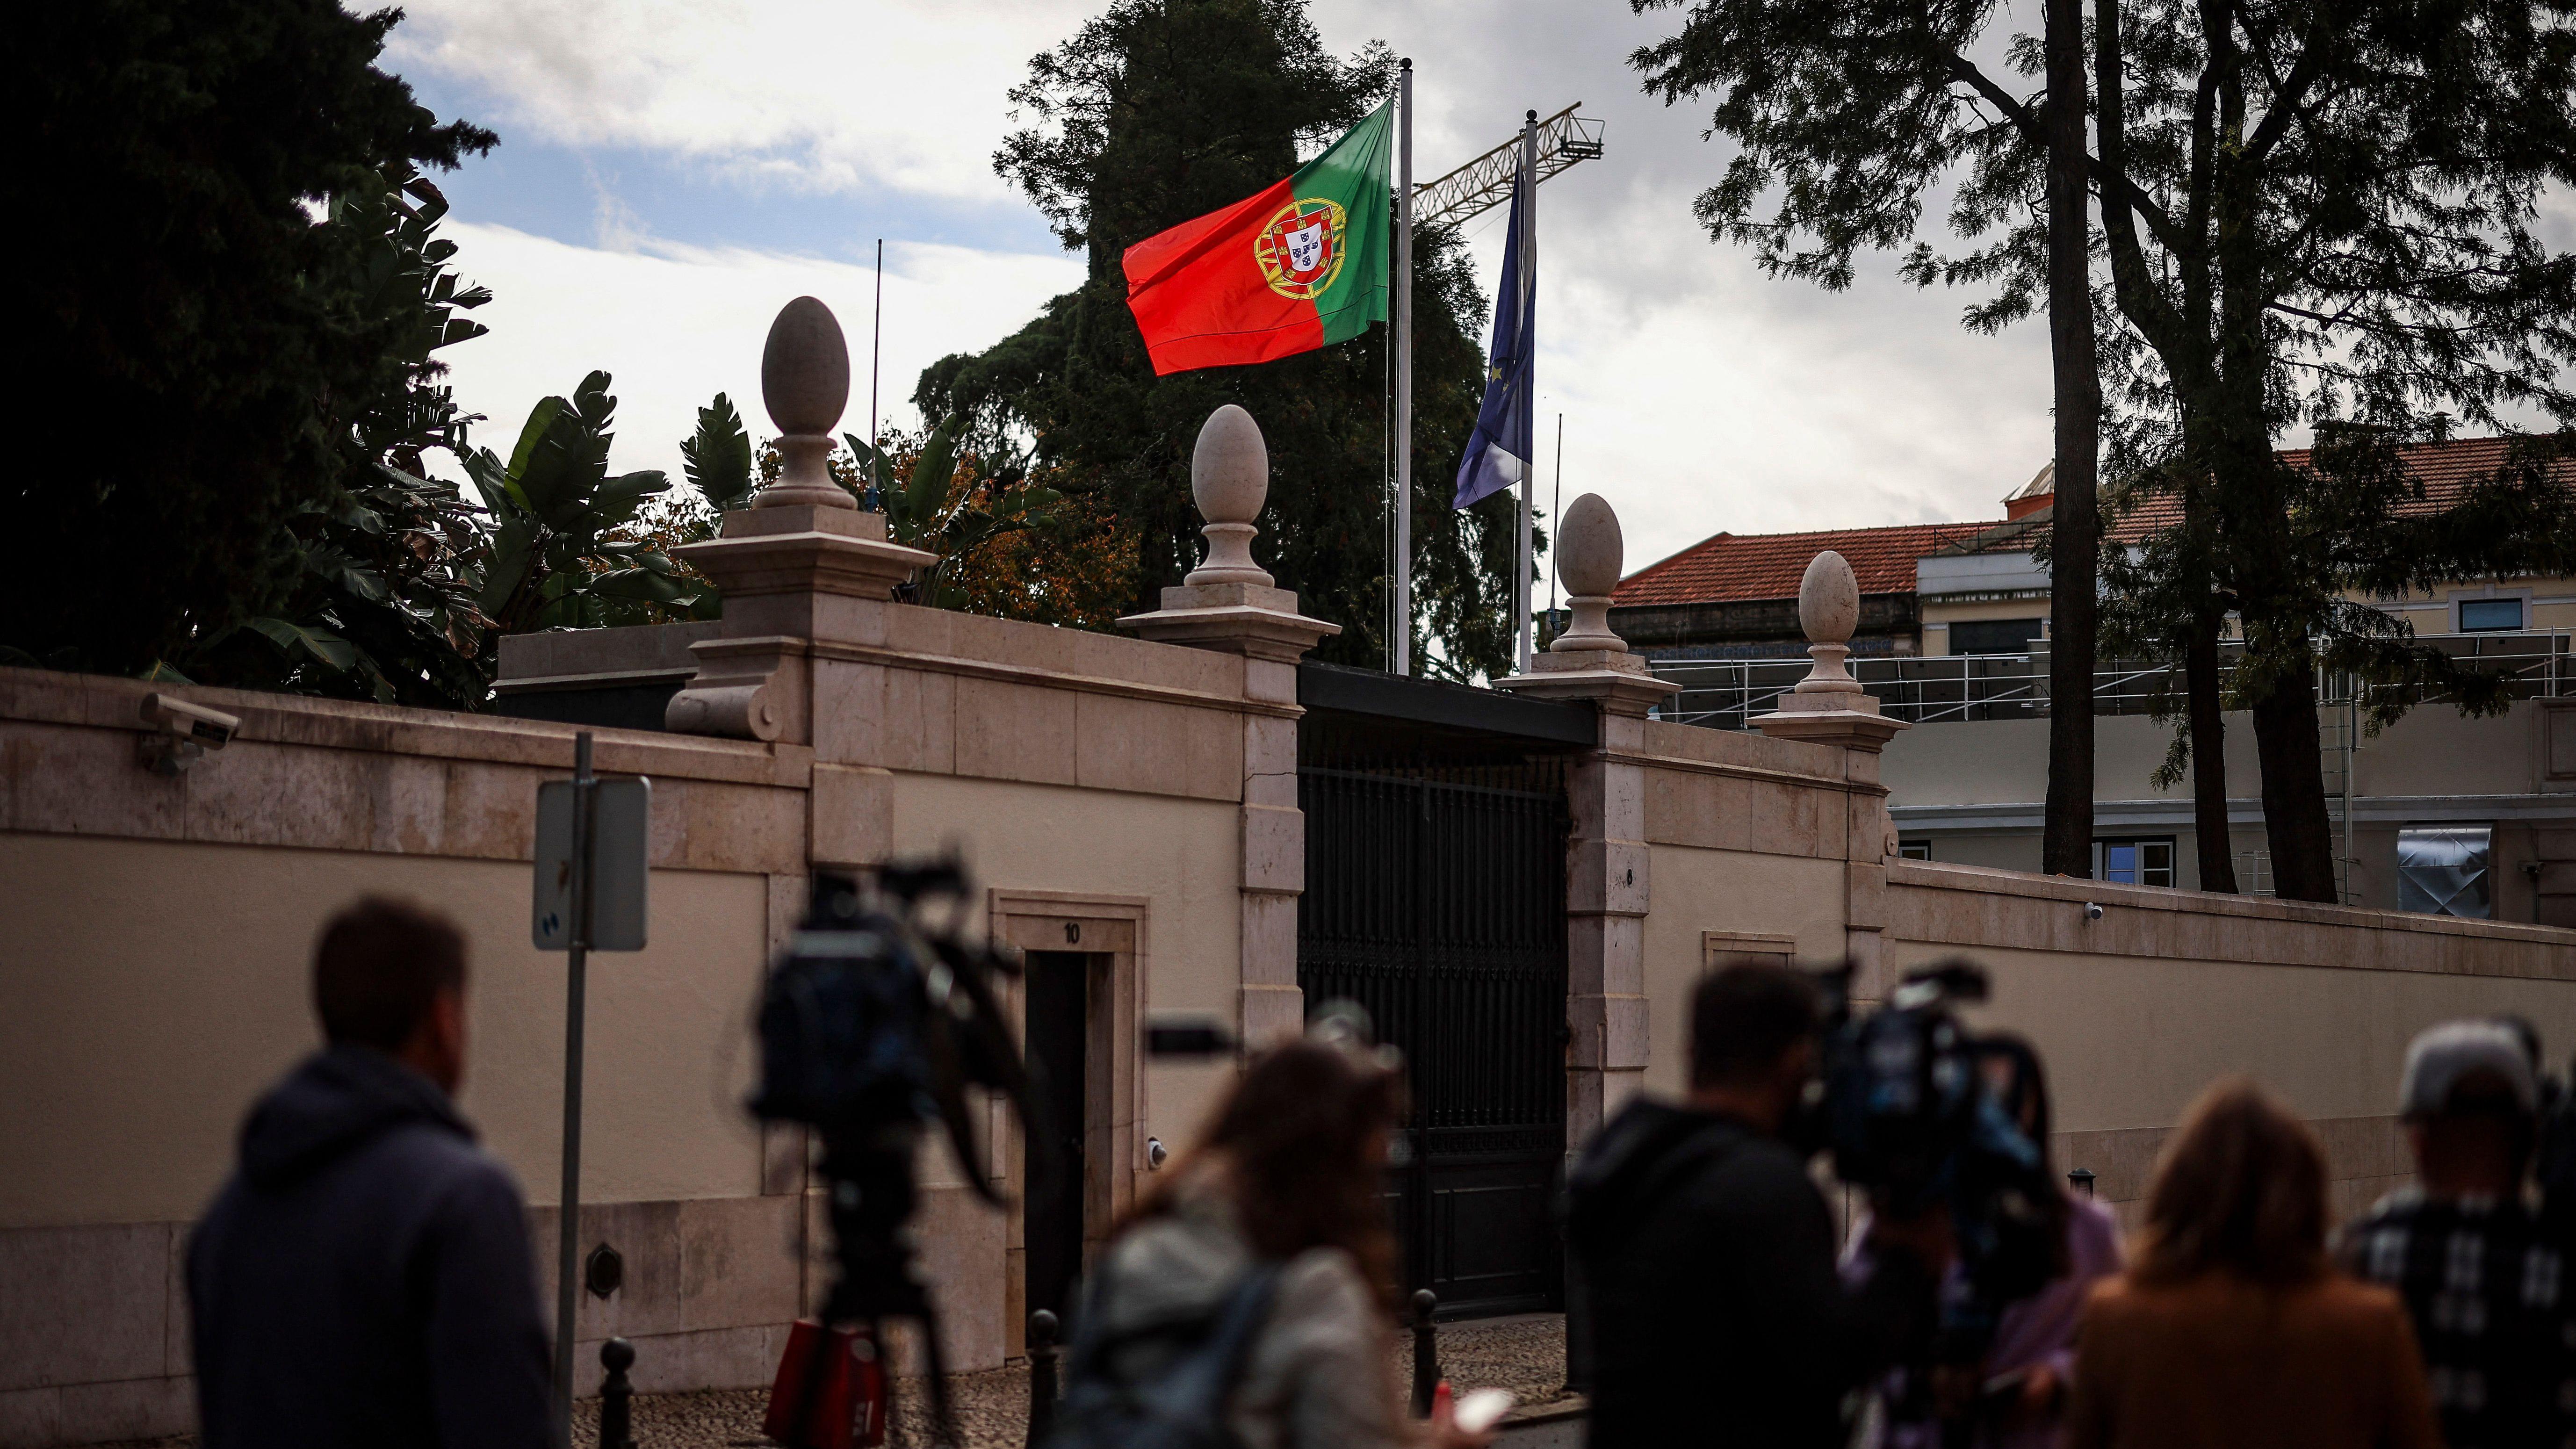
x,y
675,325
903,94
1699,395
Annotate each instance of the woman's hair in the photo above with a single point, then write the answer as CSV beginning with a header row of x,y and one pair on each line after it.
x,y
1294,1143
2240,1188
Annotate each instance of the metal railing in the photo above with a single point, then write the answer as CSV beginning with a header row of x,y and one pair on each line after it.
x,y
1929,689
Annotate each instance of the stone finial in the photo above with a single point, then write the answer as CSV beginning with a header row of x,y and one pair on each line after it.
x,y
1230,602
1829,600
1587,661
1829,706
1588,554
1828,610
805,381
1230,480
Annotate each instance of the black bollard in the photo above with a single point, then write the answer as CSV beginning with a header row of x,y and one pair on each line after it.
x,y
1041,1377
1426,1352
616,1396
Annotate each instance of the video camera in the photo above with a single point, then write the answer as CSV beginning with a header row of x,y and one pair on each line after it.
x,y
873,1024
1924,1114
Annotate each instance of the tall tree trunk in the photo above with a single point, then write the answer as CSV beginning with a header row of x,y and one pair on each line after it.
x,y
2207,726
2287,741
2066,844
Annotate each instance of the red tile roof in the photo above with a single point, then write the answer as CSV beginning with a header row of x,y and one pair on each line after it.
x,y
2447,469
1732,567
1769,565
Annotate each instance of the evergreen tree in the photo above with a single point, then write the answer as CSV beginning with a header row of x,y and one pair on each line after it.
x,y
1163,110
187,337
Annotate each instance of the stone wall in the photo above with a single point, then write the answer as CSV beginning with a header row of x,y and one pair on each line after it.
x,y
153,976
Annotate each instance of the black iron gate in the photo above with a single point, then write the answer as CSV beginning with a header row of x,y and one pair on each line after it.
x,y
1435,898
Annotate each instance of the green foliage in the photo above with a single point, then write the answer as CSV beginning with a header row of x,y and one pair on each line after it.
x,y
1159,111
717,457
383,600
563,553
194,341
949,504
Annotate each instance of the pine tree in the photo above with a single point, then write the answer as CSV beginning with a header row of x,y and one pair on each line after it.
x,y
1162,110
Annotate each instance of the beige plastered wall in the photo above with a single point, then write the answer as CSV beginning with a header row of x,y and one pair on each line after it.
x,y
2134,1013
2138,1011
158,933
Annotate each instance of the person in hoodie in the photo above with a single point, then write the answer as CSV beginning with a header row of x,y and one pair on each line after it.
x,y
364,1277
1706,1254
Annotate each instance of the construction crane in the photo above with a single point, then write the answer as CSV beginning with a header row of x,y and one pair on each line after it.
x,y
1486,182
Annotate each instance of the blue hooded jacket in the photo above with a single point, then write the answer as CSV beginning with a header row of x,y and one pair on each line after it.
x,y
365,1278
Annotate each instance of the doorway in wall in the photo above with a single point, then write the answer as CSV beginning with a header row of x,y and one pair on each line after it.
x,y
1059,1029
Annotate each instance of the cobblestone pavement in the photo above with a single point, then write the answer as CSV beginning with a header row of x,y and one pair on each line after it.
x,y
1525,1355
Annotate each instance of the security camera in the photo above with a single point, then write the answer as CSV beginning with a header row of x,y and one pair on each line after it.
x,y
2092,911
182,733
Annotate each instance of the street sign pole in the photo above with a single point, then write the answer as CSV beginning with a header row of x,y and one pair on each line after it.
x,y
585,792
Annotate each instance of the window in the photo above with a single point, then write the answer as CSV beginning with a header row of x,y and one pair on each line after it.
x,y
2478,616
1914,849
2444,872
1993,636
2135,862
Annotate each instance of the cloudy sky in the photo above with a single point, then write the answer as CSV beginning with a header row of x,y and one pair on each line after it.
x,y
673,170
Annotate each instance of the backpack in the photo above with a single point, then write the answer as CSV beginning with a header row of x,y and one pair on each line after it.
x,y
1181,1402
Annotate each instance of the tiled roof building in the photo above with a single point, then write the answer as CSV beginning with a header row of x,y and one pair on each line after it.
x,y
1931,588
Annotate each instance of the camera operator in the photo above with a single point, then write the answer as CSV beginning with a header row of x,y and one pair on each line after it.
x,y
1708,1253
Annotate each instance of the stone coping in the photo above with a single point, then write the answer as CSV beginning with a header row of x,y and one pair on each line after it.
x,y
1785,778
1748,750
1976,906
1046,677
93,701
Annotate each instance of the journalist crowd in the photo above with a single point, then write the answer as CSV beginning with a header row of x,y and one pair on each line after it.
x,y
365,1275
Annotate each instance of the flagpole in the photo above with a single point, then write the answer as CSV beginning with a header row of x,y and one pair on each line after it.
x,y
876,351
1556,512
1527,282
1404,367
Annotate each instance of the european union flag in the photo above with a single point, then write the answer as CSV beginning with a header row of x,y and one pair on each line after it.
x,y
1499,451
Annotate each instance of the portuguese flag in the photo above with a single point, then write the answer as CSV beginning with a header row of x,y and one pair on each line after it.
x,y
1283,271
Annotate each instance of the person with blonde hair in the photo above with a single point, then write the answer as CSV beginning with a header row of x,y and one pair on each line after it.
x,y
2231,1326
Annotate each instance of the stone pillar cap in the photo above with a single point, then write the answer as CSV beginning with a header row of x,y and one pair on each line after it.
x,y
1829,706
1229,602
1588,661
805,382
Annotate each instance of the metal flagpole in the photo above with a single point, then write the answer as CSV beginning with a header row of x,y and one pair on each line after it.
x,y
1404,367
1556,514
1527,281
876,350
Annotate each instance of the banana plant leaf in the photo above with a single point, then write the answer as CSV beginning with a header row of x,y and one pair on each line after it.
x,y
311,639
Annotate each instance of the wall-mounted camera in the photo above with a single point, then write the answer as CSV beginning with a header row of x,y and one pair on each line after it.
x,y
181,733
2092,911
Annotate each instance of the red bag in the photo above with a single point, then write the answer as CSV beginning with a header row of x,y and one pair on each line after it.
x,y
830,1392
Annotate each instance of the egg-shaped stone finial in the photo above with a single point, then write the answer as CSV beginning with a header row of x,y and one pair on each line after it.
x,y
805,383
1588,554
1229,480
805,369
1829,600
